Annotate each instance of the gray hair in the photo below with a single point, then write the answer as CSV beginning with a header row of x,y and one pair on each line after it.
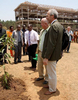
x,y
53,12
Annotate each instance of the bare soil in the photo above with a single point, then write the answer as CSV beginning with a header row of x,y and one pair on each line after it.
x,y
24,86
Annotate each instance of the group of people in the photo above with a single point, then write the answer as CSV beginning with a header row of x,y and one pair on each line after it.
x,y
48,46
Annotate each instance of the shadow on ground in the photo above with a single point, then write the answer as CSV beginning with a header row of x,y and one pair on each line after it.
x,y
28,68
43,90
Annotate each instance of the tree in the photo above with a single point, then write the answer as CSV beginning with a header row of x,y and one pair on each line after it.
x,y
7,23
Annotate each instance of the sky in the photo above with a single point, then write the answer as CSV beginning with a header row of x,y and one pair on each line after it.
x,y
7,6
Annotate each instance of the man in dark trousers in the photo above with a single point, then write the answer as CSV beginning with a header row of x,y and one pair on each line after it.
x,y
2,32
31,37
24,45
18,42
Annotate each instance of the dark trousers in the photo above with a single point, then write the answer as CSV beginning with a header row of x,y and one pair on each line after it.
x,y
17,49
68,46
31,51
24,52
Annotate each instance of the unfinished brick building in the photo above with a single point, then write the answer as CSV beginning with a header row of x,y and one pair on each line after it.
x,y
28,12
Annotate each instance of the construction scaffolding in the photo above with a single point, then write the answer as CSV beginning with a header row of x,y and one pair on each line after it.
x,y
31,13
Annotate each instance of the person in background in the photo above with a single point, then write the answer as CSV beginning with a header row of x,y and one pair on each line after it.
x,y
9,34
31,38
45,26
52,49
75,35
24,45
2,32
17,35
70,34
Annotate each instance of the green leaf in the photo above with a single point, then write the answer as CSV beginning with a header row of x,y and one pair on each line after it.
x,y
5,79
7,74
3,50
9,61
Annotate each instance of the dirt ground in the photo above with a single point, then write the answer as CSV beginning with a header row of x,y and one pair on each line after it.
x,y
26,88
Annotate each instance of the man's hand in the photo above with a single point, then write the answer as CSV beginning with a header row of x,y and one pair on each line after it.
x,y
45,61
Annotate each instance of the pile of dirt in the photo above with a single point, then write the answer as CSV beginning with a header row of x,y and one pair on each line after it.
x,y
17,87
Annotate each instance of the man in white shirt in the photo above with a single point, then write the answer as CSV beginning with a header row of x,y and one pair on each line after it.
x,y
31,38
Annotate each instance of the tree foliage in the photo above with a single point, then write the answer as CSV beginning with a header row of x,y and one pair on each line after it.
x,y
7,24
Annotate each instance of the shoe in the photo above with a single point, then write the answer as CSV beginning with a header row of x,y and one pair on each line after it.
x,y
39,79
45,82
46,86
34,69
20,61
15,62
49,93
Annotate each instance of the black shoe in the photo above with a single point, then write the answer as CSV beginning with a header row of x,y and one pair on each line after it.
x,y
39,79
45,82
15,62
20,61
